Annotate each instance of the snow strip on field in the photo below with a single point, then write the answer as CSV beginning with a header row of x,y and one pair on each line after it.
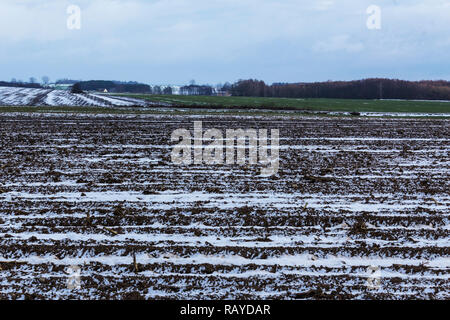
x,y
275,200
233,260
115,102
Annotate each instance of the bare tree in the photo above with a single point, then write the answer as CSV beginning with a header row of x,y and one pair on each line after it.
x,y
76,88
45,80
157,90
167,90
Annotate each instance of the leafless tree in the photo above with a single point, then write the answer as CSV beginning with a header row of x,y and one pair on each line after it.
x,y
45,80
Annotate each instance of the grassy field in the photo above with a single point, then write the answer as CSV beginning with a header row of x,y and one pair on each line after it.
x,y
185,111
247,105
302,104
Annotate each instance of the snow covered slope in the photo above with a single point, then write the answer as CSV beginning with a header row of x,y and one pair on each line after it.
x,y
44,97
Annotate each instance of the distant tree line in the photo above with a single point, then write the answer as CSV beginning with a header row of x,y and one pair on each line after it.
x,y
161,90
196,90
361,89
76,88
376,88
19,84
114,86
66,81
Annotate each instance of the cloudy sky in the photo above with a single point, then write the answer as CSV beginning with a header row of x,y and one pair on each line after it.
x,y
212,41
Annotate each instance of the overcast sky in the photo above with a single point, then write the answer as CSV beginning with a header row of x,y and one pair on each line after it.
x,y
212,41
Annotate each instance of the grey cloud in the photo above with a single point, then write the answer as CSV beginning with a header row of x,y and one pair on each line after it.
x,y
219,40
